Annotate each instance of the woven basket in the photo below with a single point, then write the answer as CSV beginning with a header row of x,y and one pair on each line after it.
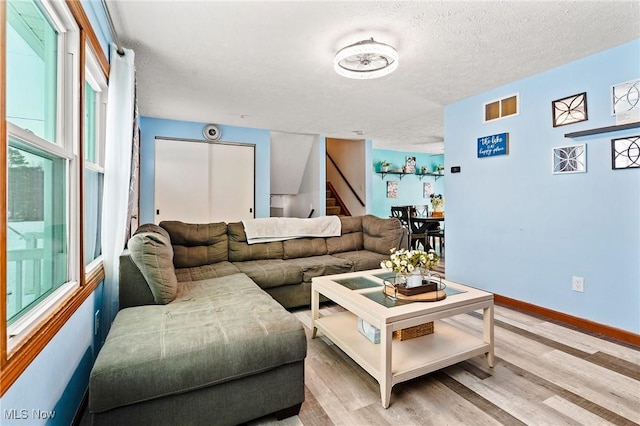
x,y
413,332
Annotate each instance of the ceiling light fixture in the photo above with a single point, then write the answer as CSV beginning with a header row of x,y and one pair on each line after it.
x,y
366,59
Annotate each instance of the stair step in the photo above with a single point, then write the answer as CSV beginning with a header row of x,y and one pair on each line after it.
x,y
329,194
331,202
333,210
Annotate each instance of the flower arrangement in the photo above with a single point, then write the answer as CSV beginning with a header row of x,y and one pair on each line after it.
x,y
437,201
405,261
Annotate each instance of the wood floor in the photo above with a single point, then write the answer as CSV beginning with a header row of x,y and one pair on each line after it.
x,y
545,374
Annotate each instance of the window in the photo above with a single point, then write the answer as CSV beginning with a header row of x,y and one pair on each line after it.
x,y
32,67
42,205
95,100
501,108
40,113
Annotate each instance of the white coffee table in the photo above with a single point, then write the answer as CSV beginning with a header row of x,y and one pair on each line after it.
x,y
394,361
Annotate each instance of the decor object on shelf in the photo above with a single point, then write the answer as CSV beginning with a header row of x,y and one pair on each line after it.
x,y
366,59
384,166
489,146
410,165
392,189
570,159
569,110
625,153
423,170
625,101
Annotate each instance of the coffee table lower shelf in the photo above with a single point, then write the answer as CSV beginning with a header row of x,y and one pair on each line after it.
x,y
447,345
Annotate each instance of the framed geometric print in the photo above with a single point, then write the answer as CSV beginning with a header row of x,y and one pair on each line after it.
x,y
625,153
569,110
570,159
625,101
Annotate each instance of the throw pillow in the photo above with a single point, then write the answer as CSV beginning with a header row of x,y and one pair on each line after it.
x,y
153,255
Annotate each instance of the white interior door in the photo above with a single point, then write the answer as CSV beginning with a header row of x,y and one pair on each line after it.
x,y
232,192
200,182
181,181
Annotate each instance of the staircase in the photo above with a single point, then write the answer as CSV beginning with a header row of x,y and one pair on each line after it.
x,y
334,204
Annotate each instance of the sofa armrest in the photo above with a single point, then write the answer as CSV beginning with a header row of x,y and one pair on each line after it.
x,y
383,234
134,289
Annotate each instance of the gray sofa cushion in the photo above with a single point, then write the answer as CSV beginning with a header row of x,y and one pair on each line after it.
x,y
363,259
352,237
316,266
240,251
197,244
215,331
205,272
381,235
272,272
304,247
153,255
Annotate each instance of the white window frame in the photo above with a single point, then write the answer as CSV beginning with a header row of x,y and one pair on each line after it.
x,y
66,146
96,79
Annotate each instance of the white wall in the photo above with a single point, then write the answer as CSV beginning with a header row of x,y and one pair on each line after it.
x,y
312,187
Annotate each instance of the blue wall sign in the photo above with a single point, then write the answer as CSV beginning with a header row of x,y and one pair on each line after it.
x,y
488,146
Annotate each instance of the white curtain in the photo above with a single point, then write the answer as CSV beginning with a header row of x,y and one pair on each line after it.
x,y
117,173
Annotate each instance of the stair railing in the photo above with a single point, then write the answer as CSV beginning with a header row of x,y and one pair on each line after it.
x,y
353,191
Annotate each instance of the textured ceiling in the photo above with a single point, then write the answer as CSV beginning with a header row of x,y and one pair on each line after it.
x,y
269,64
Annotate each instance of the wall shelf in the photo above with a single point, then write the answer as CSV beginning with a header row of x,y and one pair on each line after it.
x,y
436,175
602,130
403,174
393,172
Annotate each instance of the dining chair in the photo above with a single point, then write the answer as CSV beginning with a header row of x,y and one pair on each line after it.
x,y
437,233
421,211
403,214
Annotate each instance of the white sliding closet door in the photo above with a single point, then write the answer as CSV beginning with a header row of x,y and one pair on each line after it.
x,y
233,172
200,182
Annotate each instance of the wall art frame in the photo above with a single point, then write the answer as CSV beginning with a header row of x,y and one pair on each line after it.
x,y
625,153
427,190
569,159
625,101
410,165
569,110
392,189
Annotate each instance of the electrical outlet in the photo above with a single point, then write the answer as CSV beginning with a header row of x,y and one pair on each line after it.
x,y
96,323
577,284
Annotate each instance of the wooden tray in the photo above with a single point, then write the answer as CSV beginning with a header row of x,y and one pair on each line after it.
x,y
430,296
410,291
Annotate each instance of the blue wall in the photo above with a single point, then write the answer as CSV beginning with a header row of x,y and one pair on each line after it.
x,y
152,127
409,188
516,229
56,380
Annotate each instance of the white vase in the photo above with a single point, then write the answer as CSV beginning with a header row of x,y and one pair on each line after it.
x,y
414,279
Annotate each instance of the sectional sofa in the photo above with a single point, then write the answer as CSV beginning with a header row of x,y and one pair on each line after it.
x,y
203,336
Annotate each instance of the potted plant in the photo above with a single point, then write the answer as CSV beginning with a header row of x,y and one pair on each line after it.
x,y
411,266
437,202
384,166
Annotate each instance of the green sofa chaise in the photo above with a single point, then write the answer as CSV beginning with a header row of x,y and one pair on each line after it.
x,y
203,336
